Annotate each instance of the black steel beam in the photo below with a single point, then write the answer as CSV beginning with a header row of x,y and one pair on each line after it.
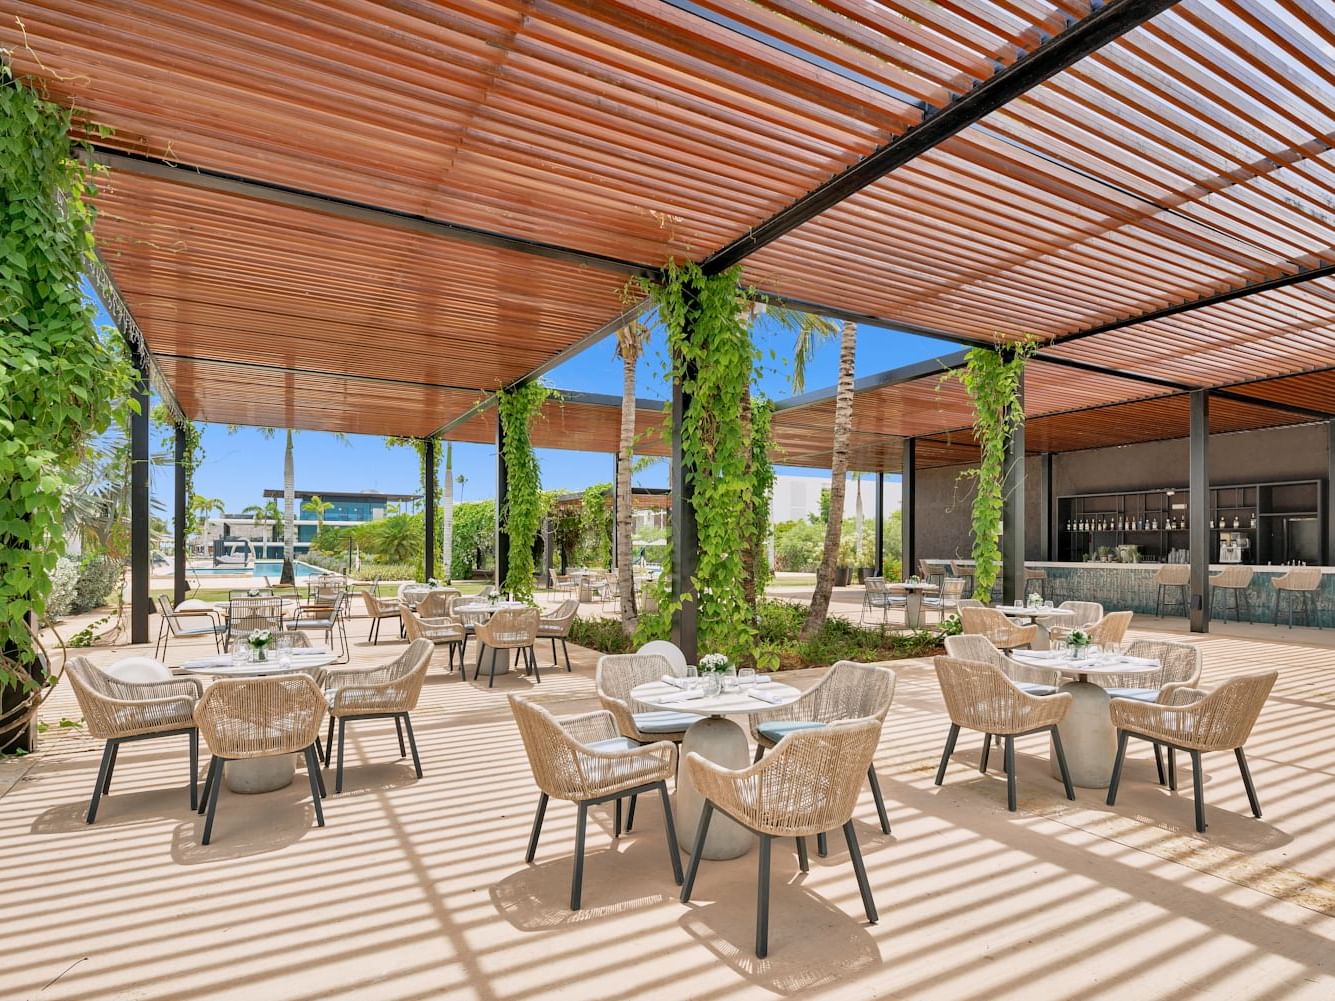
x,y
1198,517
1081,38
1046,522
502,496
880,523
179,514
429,465
908,508
375,215
1328,496
1012,516
139,511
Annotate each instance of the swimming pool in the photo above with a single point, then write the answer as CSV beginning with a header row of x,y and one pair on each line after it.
x,y
261,568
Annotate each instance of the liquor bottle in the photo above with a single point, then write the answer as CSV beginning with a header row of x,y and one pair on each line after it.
x,y
1235,521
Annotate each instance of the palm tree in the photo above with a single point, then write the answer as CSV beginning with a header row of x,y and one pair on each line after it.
x,y
461,479
318,506
268,511
857,517
630,341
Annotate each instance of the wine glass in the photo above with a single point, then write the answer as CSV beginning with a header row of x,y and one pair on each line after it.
x,y
692,677
746,677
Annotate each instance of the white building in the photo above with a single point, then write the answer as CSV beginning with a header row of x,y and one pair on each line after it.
x,y
797,497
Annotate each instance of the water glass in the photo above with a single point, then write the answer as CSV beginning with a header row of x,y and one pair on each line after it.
x,y
746,677
763,677
692,677
710,683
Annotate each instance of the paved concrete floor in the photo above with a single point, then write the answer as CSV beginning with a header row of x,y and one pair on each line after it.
x,y
418,889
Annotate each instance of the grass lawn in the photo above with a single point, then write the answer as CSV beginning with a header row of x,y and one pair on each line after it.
x,y
386,590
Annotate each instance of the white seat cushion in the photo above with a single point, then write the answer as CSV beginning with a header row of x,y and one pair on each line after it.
x,y
663,722
1033,688
613,744
138,670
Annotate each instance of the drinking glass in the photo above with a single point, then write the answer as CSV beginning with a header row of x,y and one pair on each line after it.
x,y
711,683
692,677
746,677
764,677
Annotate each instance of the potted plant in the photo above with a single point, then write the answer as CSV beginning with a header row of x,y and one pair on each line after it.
x,y
258,641
1079,641
712,669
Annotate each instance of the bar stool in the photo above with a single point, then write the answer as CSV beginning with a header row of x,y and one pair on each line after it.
x,y
1172,575
1032,576
1236,579
965,573
1304,582
933,573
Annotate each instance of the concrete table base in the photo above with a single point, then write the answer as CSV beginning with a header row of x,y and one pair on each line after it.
x,y
261,774
913,610
504,658
723,742
1088,737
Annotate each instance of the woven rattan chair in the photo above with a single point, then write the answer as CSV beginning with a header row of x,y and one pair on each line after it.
x,y
120,712
1035,581
1171,577
1031,680
247,614
386,692
186,624
437,602
1111,629
614,678
1083,615
1004,634
332,620
444,629
1180,667
377,610
948,601
244,718
808,785
980,697
1235,580
508,629
582,759
1300,583
964,571
281,641
555,625
1196,722
878,596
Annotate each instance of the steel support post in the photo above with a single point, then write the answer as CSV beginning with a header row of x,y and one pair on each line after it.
x,y
1198,476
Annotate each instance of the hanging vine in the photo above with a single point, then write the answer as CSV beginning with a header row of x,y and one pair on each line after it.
x,y
61,383
993,378
192,459
522,515
762,494
595,516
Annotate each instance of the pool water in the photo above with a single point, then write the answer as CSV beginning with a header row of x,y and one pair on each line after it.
x,y
262,568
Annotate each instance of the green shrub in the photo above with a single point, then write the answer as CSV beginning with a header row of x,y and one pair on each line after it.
x,y
604,635
98,575
388,571
778,622
64,588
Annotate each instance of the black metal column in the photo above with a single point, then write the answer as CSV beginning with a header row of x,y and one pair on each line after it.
x,y
139,525
429,460
880,524
616,481
1012,517
1328,497
908,480
1045,508
179,515
684,540
1198,473
502,493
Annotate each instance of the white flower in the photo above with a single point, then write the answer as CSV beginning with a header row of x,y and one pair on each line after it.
x,y
714,663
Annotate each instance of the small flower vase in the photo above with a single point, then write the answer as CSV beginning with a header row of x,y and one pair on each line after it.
x,y
709,684
1081,652
260,655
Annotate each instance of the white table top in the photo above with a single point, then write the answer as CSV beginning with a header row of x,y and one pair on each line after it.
x,y
1023,612
225,667
724,704
914,585
485,606
1092,665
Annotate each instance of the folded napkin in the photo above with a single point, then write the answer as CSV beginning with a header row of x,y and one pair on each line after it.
x,y
1038,655
673,680
690,693
1138,661
766,695
209,662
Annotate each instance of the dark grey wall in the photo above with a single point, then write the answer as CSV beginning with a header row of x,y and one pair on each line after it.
x,y
1295,453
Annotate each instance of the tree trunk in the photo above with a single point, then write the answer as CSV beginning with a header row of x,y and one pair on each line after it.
x,y
447,516
625,513
289,517
843,423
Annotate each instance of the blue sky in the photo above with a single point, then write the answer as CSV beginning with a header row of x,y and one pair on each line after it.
x,y
239,466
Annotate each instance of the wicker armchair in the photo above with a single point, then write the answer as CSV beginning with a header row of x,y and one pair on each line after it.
x,y
979,649
1196,722
243,718
1235,579
386,692
1004,634
614,678
807,786
1083,615
119,712
556,626
378,609
185,624
879,595
247,614
443,629
952,591
508,629
1111,629
847,691
436,604
1304,583
582,759
1179,664
980,697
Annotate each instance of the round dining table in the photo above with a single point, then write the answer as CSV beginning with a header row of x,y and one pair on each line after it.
x,y
1036,615
253,775
1088,736
716,738
481,611
915,591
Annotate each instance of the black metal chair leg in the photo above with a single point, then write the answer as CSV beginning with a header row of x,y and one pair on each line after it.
x,y
630,814
1198,790
533,662
537,828
701,831
565,651
194,770
669,830
111,769
616,821
103,773
208,785
950,749
987,753
577,878
822,845
412,744
876,795
329,741
477,668
860,870
802,862
1122,738
1061,763
1172,769
1158,764
312,773
555,662
762,897
1010,774
338,772
760,752
214,788
398,727
1247,781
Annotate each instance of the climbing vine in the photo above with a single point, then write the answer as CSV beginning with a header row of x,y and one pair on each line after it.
x,y
713,358
762,491
522,515
993,378
61,383
595,516
418,445
191,460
